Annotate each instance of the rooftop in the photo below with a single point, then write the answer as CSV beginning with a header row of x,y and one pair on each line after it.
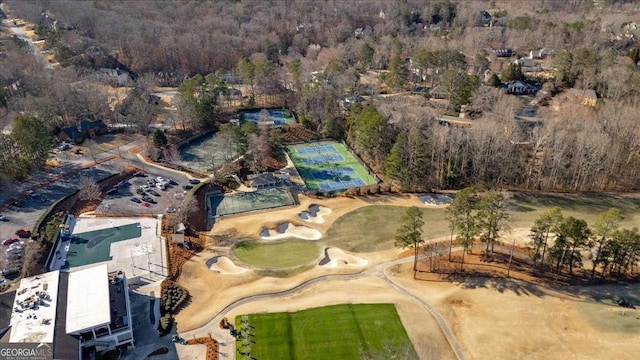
x,y
88,299
34,309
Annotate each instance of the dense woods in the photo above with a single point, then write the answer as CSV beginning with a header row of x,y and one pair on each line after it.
x,y
323,57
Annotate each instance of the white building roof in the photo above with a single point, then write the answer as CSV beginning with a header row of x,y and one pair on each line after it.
x,y
88,299
34,309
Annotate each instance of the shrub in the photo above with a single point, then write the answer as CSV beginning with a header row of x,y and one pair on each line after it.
x,y
173,296
164,325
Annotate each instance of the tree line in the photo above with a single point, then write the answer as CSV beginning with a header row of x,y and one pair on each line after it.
x,y
559,244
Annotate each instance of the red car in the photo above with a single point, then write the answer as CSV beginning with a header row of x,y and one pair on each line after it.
x,y
145,204
23,233
10,241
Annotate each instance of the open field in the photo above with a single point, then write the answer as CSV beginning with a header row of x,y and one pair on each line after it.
x,y
347,332
276,255
511,319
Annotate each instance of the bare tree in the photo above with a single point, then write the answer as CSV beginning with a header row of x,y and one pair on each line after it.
x,y
89,189
172,154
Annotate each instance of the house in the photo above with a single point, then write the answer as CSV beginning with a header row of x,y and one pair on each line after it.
x,y
84,129
485,18
439,92
585,97
264,180
506,52
517,87
541,53
447,120
527,65
115,77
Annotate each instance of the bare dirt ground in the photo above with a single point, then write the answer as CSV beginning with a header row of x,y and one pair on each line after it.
x,y
510,319
491,318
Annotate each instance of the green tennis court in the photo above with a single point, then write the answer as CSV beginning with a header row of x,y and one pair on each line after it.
x,y
329,166
227,204
93,246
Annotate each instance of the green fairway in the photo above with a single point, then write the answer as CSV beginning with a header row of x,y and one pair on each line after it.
x,y
373,228
332,332
315,167
277,255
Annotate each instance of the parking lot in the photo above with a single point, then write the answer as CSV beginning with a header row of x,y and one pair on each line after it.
x,y
142,195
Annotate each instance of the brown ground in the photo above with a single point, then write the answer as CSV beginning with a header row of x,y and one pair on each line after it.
x,y
492,318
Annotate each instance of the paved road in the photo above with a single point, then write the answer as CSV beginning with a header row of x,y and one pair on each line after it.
x,y
32,47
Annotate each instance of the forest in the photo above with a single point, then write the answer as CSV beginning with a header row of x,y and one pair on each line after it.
x,y
348,68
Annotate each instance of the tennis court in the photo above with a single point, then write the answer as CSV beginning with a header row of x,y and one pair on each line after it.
x,y
94,246
240,202
329,166
273,117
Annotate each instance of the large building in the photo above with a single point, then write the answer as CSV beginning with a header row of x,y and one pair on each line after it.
x,y
75,314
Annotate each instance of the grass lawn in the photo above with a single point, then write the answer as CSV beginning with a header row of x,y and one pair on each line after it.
x,y
276,255
332,332
373,228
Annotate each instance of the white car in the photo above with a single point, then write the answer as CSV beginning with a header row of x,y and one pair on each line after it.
x,y
160,179
3,218
161,185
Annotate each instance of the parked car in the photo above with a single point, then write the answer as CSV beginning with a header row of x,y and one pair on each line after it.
x,y
151,182
23,233
136,200
3,218
140,174
153,192
171,209
140,192
16,245
145,204
10,241
162,185
171,181
187,187
10,273
194,181
148,199
145,187
160,179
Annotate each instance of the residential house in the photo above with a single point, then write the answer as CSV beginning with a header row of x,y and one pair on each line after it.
x,y
84,129
506,52
585,97
541,53
517,87
485,18
438,92
115,77
446,120
528,65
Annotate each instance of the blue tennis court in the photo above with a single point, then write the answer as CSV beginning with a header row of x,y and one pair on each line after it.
x,y
333,173
323,159
340,185
316,149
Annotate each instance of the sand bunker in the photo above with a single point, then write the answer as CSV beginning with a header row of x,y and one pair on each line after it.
x,y
315,214
334,257
224,265
287,230
436,199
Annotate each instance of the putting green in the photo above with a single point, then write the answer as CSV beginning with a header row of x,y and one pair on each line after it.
x,y
344,332
276,255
